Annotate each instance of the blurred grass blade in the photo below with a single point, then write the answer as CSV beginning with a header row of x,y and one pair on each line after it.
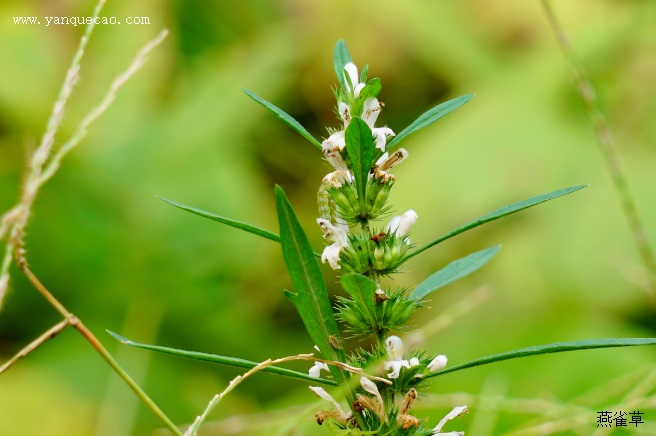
x,y
284,116
429,117
223,360
360,149
311,296
557,347
499,213
230,222
362,290
454,271
341,58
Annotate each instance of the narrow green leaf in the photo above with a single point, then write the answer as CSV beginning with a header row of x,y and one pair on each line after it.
x,y
557,347
429,117
362,290
341,58
223,220
499,213
284,116
360,148
454,271
311,297
223,360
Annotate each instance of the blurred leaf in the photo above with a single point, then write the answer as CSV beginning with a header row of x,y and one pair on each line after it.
x,y
223,360
341,58
429,117
362,290
284,116
499,213
233,223
454,271
311,296
360,149
557,347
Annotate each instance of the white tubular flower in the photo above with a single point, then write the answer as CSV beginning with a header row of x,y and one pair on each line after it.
x,y
414,362
339,236
337,178
401,224
438,363
336,141
315,371
344,113
387,162
394,346
371,387
321,392
351,75
395,366
370,111
457,411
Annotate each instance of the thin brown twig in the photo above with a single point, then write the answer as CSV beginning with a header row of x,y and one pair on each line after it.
x,y
46,336
608,148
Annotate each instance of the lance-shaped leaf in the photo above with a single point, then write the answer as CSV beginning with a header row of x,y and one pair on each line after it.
x,y
227,221
223,360
341,58
557,347
362,290
499,213
360,149
311,296
284,116
429,117
454,271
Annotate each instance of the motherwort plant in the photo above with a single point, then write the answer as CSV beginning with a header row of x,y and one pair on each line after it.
x,y
374,388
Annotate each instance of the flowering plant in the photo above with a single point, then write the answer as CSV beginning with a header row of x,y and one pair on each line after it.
x,y
381,383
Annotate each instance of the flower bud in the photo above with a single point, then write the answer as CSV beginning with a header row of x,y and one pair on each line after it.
x,y
438,363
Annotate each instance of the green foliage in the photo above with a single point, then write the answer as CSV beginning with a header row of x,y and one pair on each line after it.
x,y
284,117
557,347
311,297
360,149
341,58
454,271
223,360
227,221
499,213
429,117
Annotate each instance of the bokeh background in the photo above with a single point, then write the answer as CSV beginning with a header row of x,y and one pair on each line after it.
x,y
123,260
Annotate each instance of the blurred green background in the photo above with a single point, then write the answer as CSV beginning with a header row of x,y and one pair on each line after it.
x,y
123,260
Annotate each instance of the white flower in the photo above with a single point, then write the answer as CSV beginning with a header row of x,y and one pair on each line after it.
x,y
457,411
387,162
394,346
438,363
371,387
351,75
339,236
395,366
370,111
321,392
414,362
336,141
315,371
401,224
